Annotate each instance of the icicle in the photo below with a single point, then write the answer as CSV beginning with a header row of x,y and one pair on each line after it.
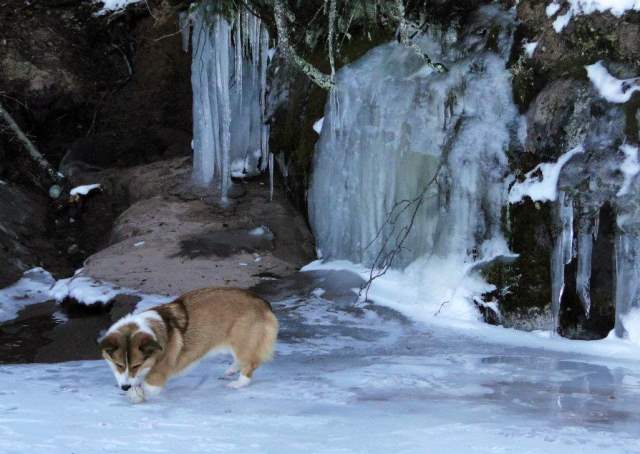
x,y
184,22
229,87
239,57
384,139
583,275
271,172
588,223
627,291
561,256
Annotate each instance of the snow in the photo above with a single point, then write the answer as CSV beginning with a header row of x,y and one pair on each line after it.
x,y
582,7
262,230
562,21
110,6
32,288
541,183
347,379
629,167
530,48
84,190
431,287
317,126
552,9
612,89
87,290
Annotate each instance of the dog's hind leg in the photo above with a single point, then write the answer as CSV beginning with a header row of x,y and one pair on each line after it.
x,y
246,371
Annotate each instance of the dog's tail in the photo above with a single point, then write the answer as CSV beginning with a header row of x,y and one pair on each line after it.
x,y
269,335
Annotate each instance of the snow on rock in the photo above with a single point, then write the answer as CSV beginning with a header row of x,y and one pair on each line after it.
x,y
612,89
84,289
262,231
581,7
317,126
228,77
32,288
552,8
541,183
84,190
109,6
630,167
530,48
88,291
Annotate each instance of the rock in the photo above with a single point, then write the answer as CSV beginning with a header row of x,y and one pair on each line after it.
x,y
22,232
169,241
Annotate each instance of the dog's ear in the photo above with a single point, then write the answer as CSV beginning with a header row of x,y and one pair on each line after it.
x,y
148,346
108,344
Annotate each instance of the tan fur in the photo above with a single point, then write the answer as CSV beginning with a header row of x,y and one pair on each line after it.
x,y
197,323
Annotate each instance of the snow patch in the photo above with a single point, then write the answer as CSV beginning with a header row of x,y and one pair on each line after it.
x,y
530,48
613,90
583,7
541,183
84,190
430,287
32,288
552,9
110,6
317,126
86,290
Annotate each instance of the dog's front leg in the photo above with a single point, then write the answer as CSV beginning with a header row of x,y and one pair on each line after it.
x,y
153,384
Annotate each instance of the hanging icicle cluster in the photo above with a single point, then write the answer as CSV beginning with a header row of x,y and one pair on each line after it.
x,y
229,79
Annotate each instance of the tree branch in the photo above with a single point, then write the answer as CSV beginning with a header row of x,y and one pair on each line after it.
x,y
319,78
29,146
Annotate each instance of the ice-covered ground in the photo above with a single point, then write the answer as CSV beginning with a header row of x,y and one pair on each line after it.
x,y
345,379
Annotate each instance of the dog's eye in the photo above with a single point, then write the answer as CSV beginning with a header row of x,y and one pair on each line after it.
x,y
121,366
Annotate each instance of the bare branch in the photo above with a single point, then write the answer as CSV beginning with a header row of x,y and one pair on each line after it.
x,y
405,39
319,78
29,146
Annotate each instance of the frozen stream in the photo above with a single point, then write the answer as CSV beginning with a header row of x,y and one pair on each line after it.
x,y
344,380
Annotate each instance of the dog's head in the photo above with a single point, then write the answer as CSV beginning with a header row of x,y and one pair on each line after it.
x,y
130,352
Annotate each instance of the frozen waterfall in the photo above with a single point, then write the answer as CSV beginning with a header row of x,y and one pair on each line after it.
x,y
400,139
229,72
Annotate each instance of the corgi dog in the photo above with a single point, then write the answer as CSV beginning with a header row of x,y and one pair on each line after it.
x,y
145,349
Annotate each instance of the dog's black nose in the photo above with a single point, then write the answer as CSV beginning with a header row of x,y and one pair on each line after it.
x,y
126,387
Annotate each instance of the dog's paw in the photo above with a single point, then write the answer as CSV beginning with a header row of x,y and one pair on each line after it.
x,y
150,390
230,372
135,394
241,382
